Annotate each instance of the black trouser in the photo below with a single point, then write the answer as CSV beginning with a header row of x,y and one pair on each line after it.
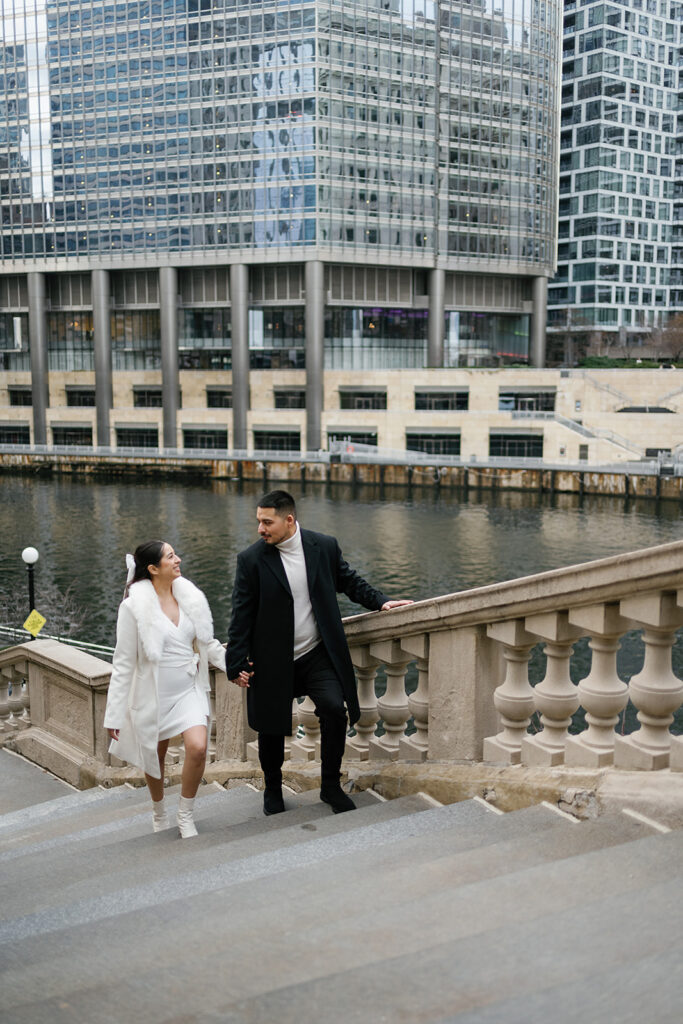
x,y
314,677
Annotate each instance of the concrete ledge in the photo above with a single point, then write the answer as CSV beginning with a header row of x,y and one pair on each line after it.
x,y
583,792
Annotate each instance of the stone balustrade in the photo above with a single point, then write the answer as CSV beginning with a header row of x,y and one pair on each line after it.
x,y
455,680
474,700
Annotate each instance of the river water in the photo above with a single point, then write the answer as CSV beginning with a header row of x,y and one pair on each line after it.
x,y
417,543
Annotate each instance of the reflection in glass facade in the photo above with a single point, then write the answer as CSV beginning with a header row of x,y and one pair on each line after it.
x,y
276,338
375,338
177,126
486,339
14,342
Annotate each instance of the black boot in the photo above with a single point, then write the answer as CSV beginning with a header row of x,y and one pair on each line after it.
x,y
332,743
271,750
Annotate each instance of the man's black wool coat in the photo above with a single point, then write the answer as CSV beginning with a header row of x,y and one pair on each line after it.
x,y
262,625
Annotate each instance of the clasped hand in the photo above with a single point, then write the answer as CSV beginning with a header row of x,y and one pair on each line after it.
x,y
243,678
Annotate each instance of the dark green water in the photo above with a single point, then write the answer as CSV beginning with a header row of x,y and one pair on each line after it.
x,y
411,544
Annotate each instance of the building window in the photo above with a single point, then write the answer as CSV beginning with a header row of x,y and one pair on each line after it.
x,y
204,339
352,437
276,338
136,340
199,437
147,398
486,339
11,434
70,341
433,444
14,342
78,397
20,395
526,401
290,398
359,398
277,440
375,339
137,437
516,446
72,435
219,398
583,452
441,400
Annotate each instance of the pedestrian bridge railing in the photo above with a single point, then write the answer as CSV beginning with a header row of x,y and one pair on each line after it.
x,y
455,680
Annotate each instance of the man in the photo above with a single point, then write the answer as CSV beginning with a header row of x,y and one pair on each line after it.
x,y
286,640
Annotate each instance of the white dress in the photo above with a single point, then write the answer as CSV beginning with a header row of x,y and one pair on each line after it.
x,y
181,703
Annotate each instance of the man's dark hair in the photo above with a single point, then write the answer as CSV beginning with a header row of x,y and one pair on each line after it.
x,y
281,501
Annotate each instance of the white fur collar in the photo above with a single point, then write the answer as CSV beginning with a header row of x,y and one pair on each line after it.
x,y
144,604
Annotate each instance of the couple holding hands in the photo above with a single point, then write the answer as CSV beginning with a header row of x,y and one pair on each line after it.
x,y
285,640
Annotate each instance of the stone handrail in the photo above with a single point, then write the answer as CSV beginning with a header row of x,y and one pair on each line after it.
x,y
473,700
472,651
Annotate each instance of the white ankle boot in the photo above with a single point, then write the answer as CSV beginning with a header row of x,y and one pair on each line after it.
x,y
160,815
185,817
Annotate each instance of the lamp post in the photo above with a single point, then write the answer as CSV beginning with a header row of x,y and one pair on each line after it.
x,y
30,557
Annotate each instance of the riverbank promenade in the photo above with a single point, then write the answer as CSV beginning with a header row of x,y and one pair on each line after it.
x,y
504,864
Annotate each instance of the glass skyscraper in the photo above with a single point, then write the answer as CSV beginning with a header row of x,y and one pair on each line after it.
x,y
619,251
229,187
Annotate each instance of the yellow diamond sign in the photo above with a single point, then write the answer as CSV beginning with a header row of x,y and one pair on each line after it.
x,y
34,623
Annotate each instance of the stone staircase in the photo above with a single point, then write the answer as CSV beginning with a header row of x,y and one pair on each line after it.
x,y
402,911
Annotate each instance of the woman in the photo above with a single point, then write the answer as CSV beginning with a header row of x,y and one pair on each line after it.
x,y
159,684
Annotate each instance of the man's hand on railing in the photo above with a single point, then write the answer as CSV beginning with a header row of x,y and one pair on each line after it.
x,y
394,604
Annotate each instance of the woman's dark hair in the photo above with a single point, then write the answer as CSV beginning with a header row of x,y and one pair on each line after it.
x,y
149,553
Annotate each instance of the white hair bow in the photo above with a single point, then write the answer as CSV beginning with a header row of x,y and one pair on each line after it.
x,y
130,566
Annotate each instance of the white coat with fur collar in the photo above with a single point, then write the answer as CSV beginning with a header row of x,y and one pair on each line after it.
x,y
132,701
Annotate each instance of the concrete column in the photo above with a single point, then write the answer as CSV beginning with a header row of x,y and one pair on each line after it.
x,y
539,319
101,315
239,315
37,332
315,344
170,381
436,326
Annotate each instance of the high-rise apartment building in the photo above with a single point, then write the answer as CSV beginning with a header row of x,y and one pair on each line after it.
x,y
219,208
619,249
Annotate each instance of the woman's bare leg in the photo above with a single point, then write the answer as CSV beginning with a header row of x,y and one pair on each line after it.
x,y
156,786
195,739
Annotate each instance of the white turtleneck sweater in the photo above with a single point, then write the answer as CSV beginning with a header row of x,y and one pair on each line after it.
x,y
306,635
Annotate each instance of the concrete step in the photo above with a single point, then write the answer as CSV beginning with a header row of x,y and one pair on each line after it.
x,y
25,784
86,808
239,831
339,927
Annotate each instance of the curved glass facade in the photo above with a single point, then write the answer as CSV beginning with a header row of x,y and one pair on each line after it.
x,y
402,128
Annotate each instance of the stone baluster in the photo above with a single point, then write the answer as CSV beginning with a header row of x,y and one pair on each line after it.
x,y
18,716
655,691
514,698
295,730
676,758
414,747
556,697
307,748
5,683
358,746
211,744
602,693
393,706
